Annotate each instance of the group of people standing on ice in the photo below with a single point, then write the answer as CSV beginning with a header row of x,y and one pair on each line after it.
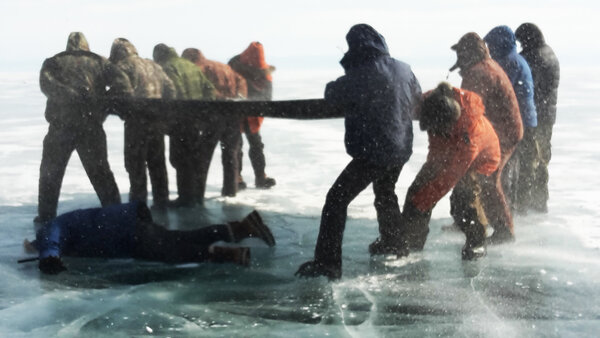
x,y
489,140
76,79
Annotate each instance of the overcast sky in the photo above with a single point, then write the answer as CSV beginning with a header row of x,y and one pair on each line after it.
x,y
301,34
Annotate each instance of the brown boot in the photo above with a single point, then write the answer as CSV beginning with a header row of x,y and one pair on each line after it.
x,y
236,255
252,226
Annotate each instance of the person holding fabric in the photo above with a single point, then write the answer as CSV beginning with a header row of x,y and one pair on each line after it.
x,y
501,42
545,70
190,84
463,148
144,139
224,128
74,81
127,230
251,65
379,96
483,76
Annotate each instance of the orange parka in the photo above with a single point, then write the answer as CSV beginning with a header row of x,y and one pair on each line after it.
x,y
251,64
228,83
471,145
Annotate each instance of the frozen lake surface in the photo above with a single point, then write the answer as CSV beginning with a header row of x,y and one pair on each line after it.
x,y
545,284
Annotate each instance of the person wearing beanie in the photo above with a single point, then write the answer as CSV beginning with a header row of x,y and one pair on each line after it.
x,y
463,149
379,96
128,230
223,128
144,140
483,76
519,178
252,66
545,70
190,84
74,81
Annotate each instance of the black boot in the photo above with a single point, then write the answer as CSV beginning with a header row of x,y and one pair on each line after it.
x,y
386,247
474,247
264,182
313,269
252,226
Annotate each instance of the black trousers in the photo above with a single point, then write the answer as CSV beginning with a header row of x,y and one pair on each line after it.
x,y
255,151
356,177
145,148
89,140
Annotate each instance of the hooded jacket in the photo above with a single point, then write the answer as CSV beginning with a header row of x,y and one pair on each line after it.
x,y
252,66
190,83
228,84
472,144
73,79
146,78
97,232
486,78
545,70
503,48
379,95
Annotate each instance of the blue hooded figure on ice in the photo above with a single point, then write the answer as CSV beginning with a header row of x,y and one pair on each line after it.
x,y
378,95
520,171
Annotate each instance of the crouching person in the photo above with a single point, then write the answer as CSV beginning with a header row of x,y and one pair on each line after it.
x,y
127,230
462,148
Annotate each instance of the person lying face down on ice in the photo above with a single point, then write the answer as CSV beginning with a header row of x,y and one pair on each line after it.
x,y
463,149
127,230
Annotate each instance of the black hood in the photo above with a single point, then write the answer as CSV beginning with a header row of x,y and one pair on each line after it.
x,y
364,44
530,36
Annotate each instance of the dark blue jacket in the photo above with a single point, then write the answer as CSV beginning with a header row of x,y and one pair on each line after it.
x,y
503,48
96,232
379,95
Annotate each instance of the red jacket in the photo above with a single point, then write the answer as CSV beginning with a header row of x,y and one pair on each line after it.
x,y
488,80
227,82
472,145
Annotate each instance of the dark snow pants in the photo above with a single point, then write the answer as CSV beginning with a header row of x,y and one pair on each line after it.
x,y
223,129
156,243
495,203
255,151
89,140
184,155
539,192
145,148
355,178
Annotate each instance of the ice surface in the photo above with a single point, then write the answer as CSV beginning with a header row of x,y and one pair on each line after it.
x,y
545,284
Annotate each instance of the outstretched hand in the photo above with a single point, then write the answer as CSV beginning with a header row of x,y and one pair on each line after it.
x,y
51,265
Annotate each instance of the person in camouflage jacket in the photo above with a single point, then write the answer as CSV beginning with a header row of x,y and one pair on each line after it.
x,y
74,81
190,84
144,141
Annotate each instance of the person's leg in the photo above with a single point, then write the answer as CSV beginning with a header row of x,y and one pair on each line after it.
x,y
328,251
58,145
205,145
469,216
91,148
257,159
157,169
539,191
510,178
180,157
495,204
135,152
528,161
230,147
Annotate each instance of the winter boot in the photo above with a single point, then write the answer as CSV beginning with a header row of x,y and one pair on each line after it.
x,y
474,247
501,235
264,182
252,226
386,247
313,269
236,255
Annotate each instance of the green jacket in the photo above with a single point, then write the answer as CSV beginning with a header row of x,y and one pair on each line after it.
x,y
190,83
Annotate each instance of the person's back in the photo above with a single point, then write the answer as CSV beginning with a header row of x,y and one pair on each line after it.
x,y
228,84
503,49
486,78
378,94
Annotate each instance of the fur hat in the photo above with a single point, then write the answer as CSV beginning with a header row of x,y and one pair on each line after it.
x,y
470,49
440,110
